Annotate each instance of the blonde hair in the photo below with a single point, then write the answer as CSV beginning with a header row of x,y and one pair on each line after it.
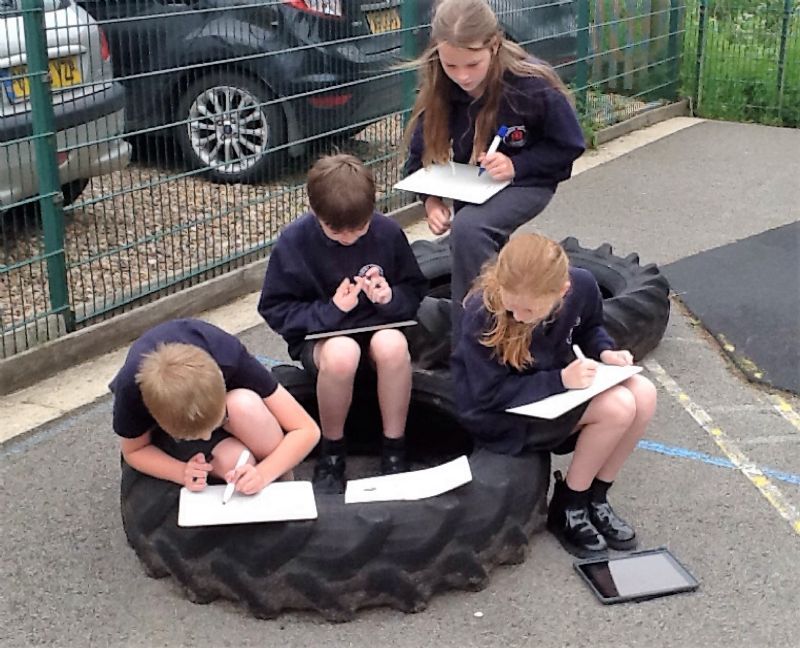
x,y
463,23
183,388
529,265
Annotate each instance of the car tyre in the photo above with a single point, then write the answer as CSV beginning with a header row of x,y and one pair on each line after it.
x,y
226,128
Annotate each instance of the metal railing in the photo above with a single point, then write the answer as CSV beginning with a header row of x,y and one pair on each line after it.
x,y
147,145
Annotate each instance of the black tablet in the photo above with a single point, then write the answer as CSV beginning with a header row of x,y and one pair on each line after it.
x,y
636,576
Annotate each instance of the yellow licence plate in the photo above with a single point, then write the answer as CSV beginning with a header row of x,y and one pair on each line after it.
x,y
383,21
63,73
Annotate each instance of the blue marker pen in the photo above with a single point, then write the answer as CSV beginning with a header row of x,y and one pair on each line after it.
x,y
501,133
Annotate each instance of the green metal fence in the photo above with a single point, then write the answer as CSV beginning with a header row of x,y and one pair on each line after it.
x,y
743,60
147,145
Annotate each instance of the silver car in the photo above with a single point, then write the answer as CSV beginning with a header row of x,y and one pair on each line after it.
x,y
88,105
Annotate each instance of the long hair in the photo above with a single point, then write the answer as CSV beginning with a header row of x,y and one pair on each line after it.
x,y
530,265
468,24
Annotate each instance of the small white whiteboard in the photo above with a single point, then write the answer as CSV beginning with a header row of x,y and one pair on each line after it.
x,y
556,405
453,180
413,485
360,329
277,502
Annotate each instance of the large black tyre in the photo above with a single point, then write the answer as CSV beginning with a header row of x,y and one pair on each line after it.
x,y
356,555
227,127
635,297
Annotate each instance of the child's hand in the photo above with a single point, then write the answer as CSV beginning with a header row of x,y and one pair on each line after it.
x,y
438,215
376,287
497,165
196,472
247,478
346,296
621,358
579,374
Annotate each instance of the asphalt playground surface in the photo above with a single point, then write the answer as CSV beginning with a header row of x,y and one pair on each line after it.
x,y
717,479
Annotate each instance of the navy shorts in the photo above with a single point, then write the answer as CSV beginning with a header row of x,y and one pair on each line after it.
x,y
365,367
185,450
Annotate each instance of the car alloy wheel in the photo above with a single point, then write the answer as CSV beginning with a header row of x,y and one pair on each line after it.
x,y
228,129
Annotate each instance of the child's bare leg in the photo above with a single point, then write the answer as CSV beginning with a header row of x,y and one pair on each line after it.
x,y
644,394
337,360
253,427
604,422
388,349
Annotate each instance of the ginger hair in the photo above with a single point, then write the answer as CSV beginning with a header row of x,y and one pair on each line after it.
x,y
183,389
530,265
468,24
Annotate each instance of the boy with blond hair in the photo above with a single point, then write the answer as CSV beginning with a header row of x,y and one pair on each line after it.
x,y
342,266
190,398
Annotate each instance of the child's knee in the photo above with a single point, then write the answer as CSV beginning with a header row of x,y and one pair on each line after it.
x,y
620,406
226,454
467,225
645,394
339,357
390,347
240,402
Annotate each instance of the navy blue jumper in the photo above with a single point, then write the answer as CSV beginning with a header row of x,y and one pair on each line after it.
x,y
306,267
485,387
240,370
543,140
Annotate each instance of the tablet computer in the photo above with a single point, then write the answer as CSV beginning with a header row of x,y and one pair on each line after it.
x,y
636,576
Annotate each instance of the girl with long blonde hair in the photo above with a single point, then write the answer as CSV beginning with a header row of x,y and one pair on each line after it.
x,y
515,346
473,81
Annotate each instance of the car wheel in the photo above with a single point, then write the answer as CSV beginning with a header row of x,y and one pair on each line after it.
x,y
227,129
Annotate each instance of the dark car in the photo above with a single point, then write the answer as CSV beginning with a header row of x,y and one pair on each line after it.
x,y
239,82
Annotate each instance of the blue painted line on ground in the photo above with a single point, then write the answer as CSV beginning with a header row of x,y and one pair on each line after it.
x,y
684,453
271,362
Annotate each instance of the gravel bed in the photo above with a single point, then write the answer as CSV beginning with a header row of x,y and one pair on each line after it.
x,y
140,228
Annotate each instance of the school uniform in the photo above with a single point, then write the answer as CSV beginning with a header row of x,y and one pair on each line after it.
x,y
543,139
485,388
240,370
306,267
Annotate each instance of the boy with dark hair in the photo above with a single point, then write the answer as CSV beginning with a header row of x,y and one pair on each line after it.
x,y
190,398
343,266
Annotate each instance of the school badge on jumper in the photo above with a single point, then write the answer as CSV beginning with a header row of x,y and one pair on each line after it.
x,y
516,137
365,269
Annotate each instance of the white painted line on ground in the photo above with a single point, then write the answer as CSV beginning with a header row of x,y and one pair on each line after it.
x,y
771,440
729,448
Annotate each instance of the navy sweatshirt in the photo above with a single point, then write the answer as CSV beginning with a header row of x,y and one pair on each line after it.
x,y
239,369
306,267
485,388
544,136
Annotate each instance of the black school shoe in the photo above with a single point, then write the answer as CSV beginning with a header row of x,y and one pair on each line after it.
x,y
617,532
329,476
393,457
572,525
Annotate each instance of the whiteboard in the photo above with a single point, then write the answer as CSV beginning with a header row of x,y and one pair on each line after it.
x,y
360,329
453,180
413,485
558,404
279,501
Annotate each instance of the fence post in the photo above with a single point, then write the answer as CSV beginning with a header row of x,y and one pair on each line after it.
x,y
582,69
701,44
787,12
673,49
408,17
44,142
